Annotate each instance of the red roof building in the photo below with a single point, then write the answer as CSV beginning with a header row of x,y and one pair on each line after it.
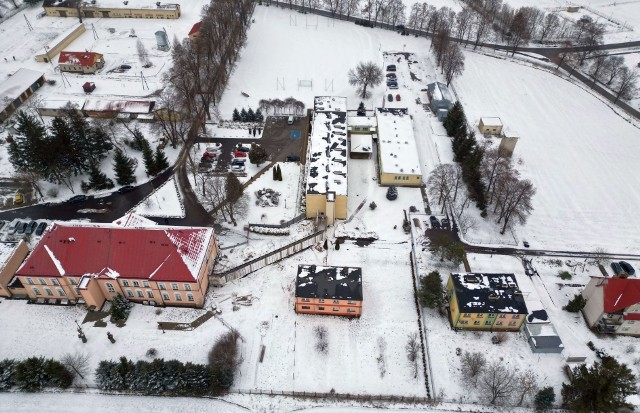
x,y
194,33
80,62
613,305
158,264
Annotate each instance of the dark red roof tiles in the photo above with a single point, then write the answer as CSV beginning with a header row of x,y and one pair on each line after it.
x,y
620,293
78,58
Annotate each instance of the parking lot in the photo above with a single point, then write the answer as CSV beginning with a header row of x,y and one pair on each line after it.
x,y
279,139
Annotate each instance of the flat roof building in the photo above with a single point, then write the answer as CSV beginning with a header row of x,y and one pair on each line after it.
x,y
440,99
329,290
326,187
16,89
111,8
490,126
398,160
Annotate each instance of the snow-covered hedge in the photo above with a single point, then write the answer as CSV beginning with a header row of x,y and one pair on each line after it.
x,y
269,231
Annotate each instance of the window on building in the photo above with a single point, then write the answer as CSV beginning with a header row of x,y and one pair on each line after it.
x,y
512,323
321,308
516,316
336,301
351,302
48,291
174,286
476,323
502,316
321,300
129,293
499,323
36,290
165,296
61,292
467,315
161,286
110,287
178,296
187,287
146,284
125,283
30,281
492,316
479,315
305,300
336,309
54,281
487,323
350,310
190,297
306,307
139,294
149,294
464,322
72,281
42,281
136,284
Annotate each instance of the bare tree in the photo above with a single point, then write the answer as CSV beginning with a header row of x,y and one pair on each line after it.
x,y
526,385
591,40
215,194
549,26
513,200
443,182
365,74
351,6
453,63
464,20
322,342
143,55
519,30
598,256
472,365
77,363
466,221
440,45
498,382
334,5
173,118
413,350
495,164
598,67
626,87
613,68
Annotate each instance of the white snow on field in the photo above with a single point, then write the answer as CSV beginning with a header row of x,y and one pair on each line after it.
x,y
164,202
578,153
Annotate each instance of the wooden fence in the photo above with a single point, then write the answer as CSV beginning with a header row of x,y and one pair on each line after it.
x,y
219,279
341,396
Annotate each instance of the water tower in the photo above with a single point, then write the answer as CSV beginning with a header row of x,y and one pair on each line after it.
x,y
162,40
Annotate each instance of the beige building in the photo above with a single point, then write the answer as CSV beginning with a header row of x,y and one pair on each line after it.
x,y
490,126
508,143
80,62
613,305
60,42
329,290
92,263
326,189
16,89
110,8
11,257
398,162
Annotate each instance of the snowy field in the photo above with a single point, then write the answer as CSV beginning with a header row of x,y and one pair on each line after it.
x,y
164,202
580,155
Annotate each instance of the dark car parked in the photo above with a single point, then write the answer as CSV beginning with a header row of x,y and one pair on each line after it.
x,y
617,269
391,68
31,226
22,228
41,227
434,222
126,188
626,267
293,158
206,159
77,198
390,97
2,224
237,162
392,193
14,228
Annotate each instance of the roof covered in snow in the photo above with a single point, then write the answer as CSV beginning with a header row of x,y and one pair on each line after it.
x,y
159,253
6,251
544,336
488,293
124,106
362,121
491,121
361,143
398,152
537,313
149,4
336,283
16,84
132,220
79,58
439,95
328,147
61,103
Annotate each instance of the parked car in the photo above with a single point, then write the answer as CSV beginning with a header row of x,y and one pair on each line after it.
x,y
206,159
2,224
14,228
392,85
626,267
390,97
400,27
41,227
398,98
205,166
238,154
293,158
126,188
76,199
125,67
238,161
392,193
434,222
617,268
244,147
22,228
18,199
31,226
391,75
236,167
526,244
391,68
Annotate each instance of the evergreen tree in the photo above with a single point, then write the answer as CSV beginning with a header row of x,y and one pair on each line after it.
x,y
259,116
274,170
124,167
149,160
257,154
57,374
139,141
196,378
362,111
160,160
603,387
455,122
279,173
236,115
544,399
28,144
576,304
123,374
251,117
30,375
431,293
105,375
243,115
120,308
173,378
7,372
98,179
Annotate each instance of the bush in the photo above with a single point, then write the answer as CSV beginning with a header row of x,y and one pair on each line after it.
x,y
565,275
373,206
34,373
576,304
7,371
591,346
152,352
120,309
544,399
223,361
431,293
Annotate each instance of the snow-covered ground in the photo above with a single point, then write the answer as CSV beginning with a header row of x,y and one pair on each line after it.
x,y
164,202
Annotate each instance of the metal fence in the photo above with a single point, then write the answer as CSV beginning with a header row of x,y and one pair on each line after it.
x,y
285,224
270,258
340,396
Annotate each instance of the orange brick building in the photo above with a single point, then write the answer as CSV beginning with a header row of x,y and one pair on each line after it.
x,y
329,290
92,263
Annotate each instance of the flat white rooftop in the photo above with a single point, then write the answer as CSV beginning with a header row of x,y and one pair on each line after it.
x,y
361,144
491,121
398,151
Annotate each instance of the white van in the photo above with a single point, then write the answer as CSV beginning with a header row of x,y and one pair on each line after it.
x,y
290,120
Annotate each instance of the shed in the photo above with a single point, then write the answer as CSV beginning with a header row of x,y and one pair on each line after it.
x,y
361,146
490,126
543,338
440,99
